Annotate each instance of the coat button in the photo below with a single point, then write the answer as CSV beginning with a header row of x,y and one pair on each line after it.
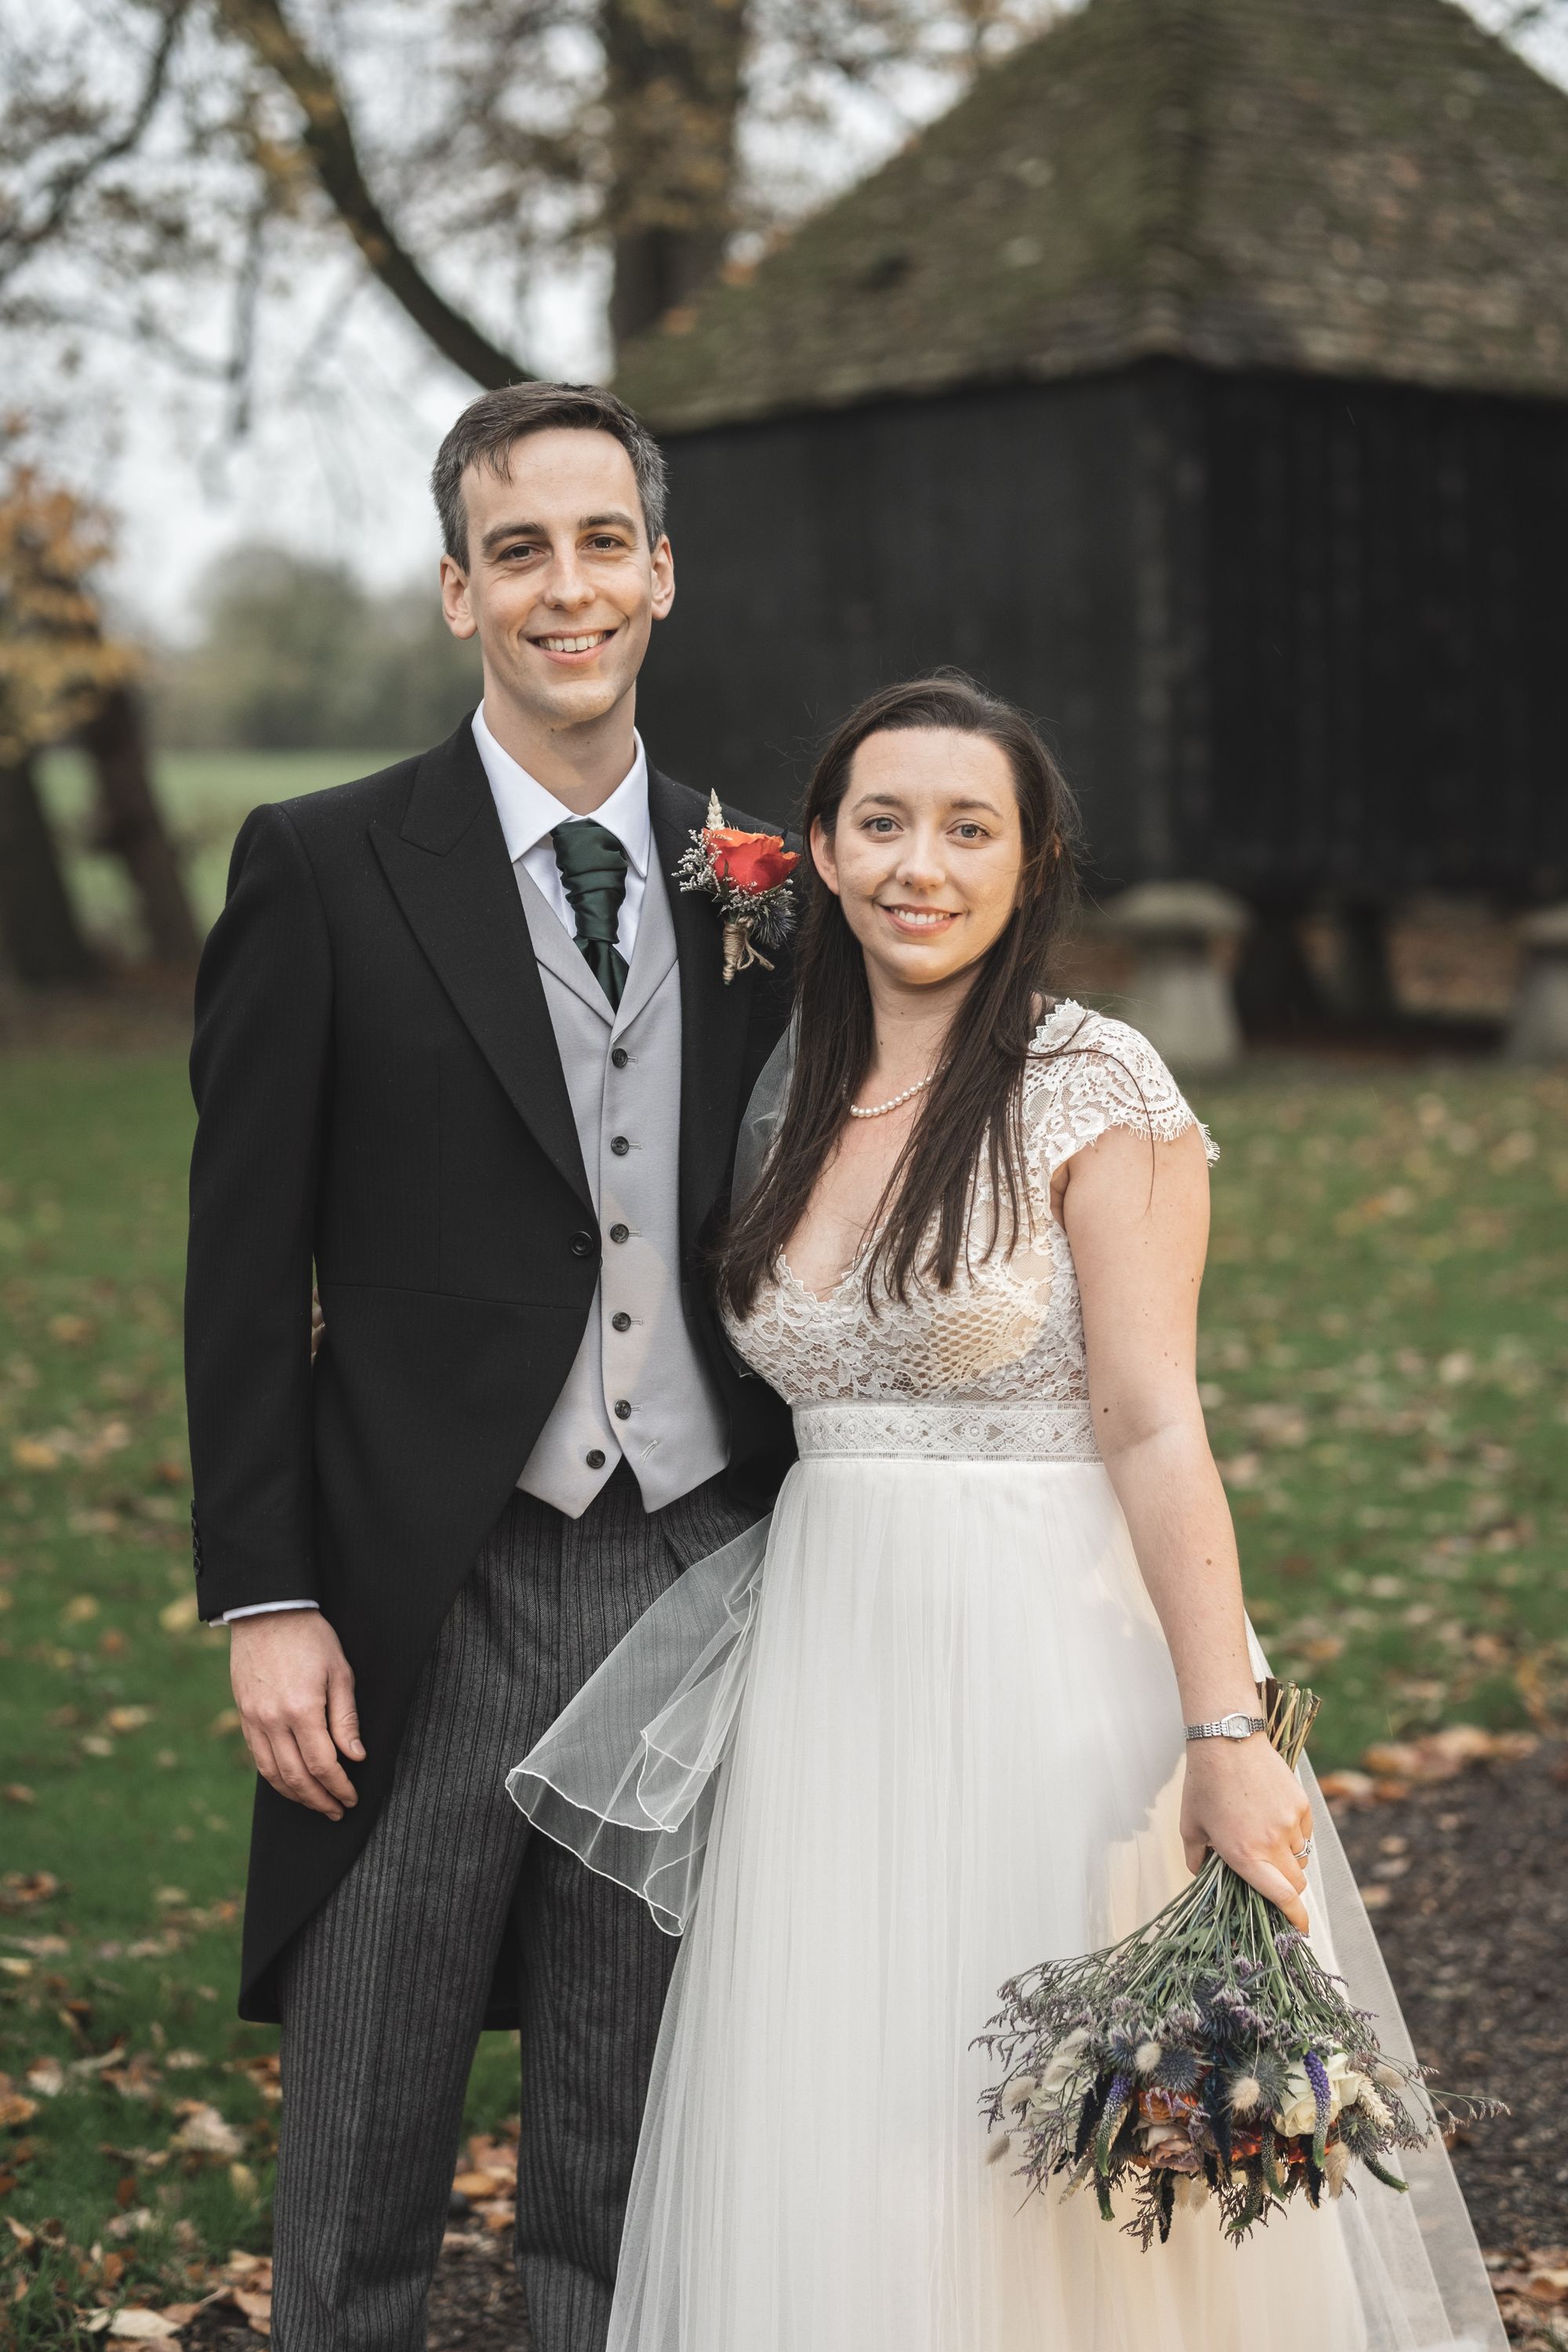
x,y
594,1460
619,1146
581,1245
622,1321
619,1057
623,1410
620,1232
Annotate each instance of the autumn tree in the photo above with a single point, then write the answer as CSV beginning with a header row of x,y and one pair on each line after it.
x,y
63,678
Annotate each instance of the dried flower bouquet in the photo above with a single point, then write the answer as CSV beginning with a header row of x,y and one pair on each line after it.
x,y
1208,2054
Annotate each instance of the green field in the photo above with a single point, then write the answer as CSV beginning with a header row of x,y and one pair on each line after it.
x,y
1385,1335
204,795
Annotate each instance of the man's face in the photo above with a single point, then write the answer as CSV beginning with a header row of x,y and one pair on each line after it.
x,y
562,588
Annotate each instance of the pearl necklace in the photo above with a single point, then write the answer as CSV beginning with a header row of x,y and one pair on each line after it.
x,y
879,1110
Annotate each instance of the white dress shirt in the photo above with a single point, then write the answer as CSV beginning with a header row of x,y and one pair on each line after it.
x,y
529,815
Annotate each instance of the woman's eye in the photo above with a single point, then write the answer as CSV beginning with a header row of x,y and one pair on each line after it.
x,y
972,831
879,824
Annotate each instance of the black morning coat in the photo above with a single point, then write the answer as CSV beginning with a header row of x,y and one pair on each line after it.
x,y
382,1104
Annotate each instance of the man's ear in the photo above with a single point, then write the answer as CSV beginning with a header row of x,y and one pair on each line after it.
x,y
662,564
456,609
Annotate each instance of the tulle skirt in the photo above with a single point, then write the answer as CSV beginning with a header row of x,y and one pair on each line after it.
x,y
952,1746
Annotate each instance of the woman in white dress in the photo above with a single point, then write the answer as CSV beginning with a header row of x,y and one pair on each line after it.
x,y
926,1728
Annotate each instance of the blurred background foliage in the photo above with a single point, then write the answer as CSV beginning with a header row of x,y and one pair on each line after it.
x,y
294,654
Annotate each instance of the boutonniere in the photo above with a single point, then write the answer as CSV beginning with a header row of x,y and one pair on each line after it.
x,y
747,875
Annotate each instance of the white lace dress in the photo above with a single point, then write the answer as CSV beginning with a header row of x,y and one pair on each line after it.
x,y
949,1745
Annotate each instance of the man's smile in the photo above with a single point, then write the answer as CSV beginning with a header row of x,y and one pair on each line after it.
x,y
575,646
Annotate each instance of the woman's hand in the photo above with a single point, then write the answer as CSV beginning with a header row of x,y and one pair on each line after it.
x,y
1242,1801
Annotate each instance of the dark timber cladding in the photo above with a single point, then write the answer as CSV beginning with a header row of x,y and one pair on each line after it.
x,y
1201,381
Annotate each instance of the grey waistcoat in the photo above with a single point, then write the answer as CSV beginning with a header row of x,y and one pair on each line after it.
x,y
629,1124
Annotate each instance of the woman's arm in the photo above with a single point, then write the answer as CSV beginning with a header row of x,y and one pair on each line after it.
x,y
1136,1215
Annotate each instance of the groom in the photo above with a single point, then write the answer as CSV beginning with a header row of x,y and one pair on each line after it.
x,y
465,1055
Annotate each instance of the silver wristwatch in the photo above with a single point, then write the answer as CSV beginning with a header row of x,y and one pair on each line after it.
x,y
1229,1726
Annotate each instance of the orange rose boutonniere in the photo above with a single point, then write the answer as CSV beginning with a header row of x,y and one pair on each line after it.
x,y
747,875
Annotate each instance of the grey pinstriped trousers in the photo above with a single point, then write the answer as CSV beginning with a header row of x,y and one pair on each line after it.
x,y
383,1990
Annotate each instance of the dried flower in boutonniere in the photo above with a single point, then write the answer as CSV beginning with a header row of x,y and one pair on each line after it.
x,y
747,875
1208,2054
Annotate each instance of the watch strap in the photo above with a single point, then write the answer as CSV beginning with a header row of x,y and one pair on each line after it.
x,y
1229,1726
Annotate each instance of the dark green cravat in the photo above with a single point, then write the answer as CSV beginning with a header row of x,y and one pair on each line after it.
x,y
593,867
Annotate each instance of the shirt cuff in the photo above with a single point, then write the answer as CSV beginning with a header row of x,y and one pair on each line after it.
x,y
262,1609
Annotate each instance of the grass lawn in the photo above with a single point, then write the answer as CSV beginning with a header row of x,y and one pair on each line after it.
x,y
205,796
1386,1334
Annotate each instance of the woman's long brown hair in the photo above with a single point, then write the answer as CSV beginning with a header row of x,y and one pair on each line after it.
x,y
975,1100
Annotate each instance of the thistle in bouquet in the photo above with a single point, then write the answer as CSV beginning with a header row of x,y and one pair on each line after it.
x,y
747,875
1209,2054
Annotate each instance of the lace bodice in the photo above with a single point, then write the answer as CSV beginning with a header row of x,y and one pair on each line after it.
x,y
1009,1333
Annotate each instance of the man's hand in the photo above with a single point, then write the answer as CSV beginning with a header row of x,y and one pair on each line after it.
x,y
295,1692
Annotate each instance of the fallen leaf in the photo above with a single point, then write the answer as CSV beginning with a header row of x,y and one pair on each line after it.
x,y
258,2308
17,1967
242,2180
17,1793
15,2109
92,2323
24,2237
47,2077
180,1615
132,2224
127,1718
93,1743
28,1886
143,2326
80,1611
206,2133
227,1721
34,1453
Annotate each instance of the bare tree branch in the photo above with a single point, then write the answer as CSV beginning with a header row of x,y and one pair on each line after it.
x,y
18,242
328,138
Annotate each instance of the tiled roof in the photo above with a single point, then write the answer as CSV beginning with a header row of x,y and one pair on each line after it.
x,y
1353,188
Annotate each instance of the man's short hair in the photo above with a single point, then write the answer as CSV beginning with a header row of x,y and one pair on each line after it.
x,y
489,426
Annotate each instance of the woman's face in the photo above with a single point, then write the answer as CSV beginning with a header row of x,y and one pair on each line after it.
x,y
927,853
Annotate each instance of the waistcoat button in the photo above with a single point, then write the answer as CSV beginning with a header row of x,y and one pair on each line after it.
x,y
620,1232
623,1410
581,1245
622,1321
594,1460
619,1146
619,1057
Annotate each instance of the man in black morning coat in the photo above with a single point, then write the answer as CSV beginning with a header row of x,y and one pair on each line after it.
x,y
464,1054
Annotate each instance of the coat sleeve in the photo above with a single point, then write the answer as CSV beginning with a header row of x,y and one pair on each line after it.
x,y
259,1071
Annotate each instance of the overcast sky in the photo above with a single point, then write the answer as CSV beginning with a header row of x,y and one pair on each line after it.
x,y
342,469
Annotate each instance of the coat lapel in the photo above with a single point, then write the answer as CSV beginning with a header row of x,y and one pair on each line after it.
x,y
714,1018
451,875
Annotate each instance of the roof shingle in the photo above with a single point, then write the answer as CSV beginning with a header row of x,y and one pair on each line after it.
x,y
1348,187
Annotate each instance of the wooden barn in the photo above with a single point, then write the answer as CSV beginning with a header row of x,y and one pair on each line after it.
x,y
1201,382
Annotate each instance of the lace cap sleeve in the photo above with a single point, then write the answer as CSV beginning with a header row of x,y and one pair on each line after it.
x,y
1095,1074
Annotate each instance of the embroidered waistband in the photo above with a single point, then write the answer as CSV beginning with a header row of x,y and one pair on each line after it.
x,y
949,1430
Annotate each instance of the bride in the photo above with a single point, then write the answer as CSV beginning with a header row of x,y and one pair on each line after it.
x,y
926,1727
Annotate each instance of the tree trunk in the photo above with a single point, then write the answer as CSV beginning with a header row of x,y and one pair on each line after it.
x,y
130,824
37,921
673,81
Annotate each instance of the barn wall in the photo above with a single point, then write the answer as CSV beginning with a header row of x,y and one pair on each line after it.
x,y
1297,635
821,556
1389,695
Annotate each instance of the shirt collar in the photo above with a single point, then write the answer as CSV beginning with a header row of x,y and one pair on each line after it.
x,y
529,813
